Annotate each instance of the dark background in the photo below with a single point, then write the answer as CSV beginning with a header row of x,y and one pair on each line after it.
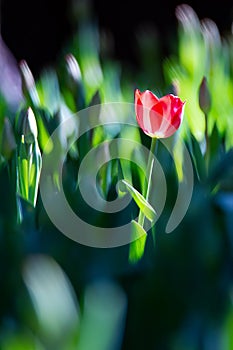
x,y
37,30
182,288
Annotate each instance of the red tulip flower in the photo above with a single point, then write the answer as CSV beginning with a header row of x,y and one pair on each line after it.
x,y
158,117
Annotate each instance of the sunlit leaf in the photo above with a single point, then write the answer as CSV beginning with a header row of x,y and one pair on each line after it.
x,y
141,202
49,91
198,159
28,169
137,247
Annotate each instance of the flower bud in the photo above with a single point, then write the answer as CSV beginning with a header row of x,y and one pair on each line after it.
x,y
74,81
29,127
28,82
204,96
73,68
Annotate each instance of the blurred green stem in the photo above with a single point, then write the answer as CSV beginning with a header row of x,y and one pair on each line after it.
x,y
207,150
147,184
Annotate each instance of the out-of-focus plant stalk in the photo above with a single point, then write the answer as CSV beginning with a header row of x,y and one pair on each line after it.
x,y
205,105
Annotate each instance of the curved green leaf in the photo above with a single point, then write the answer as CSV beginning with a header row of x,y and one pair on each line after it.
x,y
141,202
137,247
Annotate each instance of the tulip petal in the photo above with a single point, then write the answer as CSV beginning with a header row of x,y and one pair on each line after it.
x,y
176,104
158,117
143,104
166,102
149,99
170,130
139,110
177,118
137,96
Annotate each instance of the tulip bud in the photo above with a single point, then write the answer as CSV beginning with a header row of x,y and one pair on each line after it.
x,y
28,83
74,80
73,68
29,127
204,96
8,140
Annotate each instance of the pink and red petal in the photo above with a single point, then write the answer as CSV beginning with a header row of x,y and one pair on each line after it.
x,y
158,117
149,99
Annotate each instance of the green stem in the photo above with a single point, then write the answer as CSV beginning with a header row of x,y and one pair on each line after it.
x,y
207,151
147,185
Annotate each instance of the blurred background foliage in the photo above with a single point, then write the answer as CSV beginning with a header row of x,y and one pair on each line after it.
x,y
58,294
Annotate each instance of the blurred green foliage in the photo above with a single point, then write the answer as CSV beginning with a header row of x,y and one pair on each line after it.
x,y
165,291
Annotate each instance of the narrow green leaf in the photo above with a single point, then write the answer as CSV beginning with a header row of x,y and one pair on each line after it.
x,y
34,175
198,159
105,179
137,247
227,330
50,91
44,139
215,146
28,169
24,178
141,202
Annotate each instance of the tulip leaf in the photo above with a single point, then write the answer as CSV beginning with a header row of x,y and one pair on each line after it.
x,y
28,171
137,247
215,146
222,171
141,202
50,92
44,139
198,159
